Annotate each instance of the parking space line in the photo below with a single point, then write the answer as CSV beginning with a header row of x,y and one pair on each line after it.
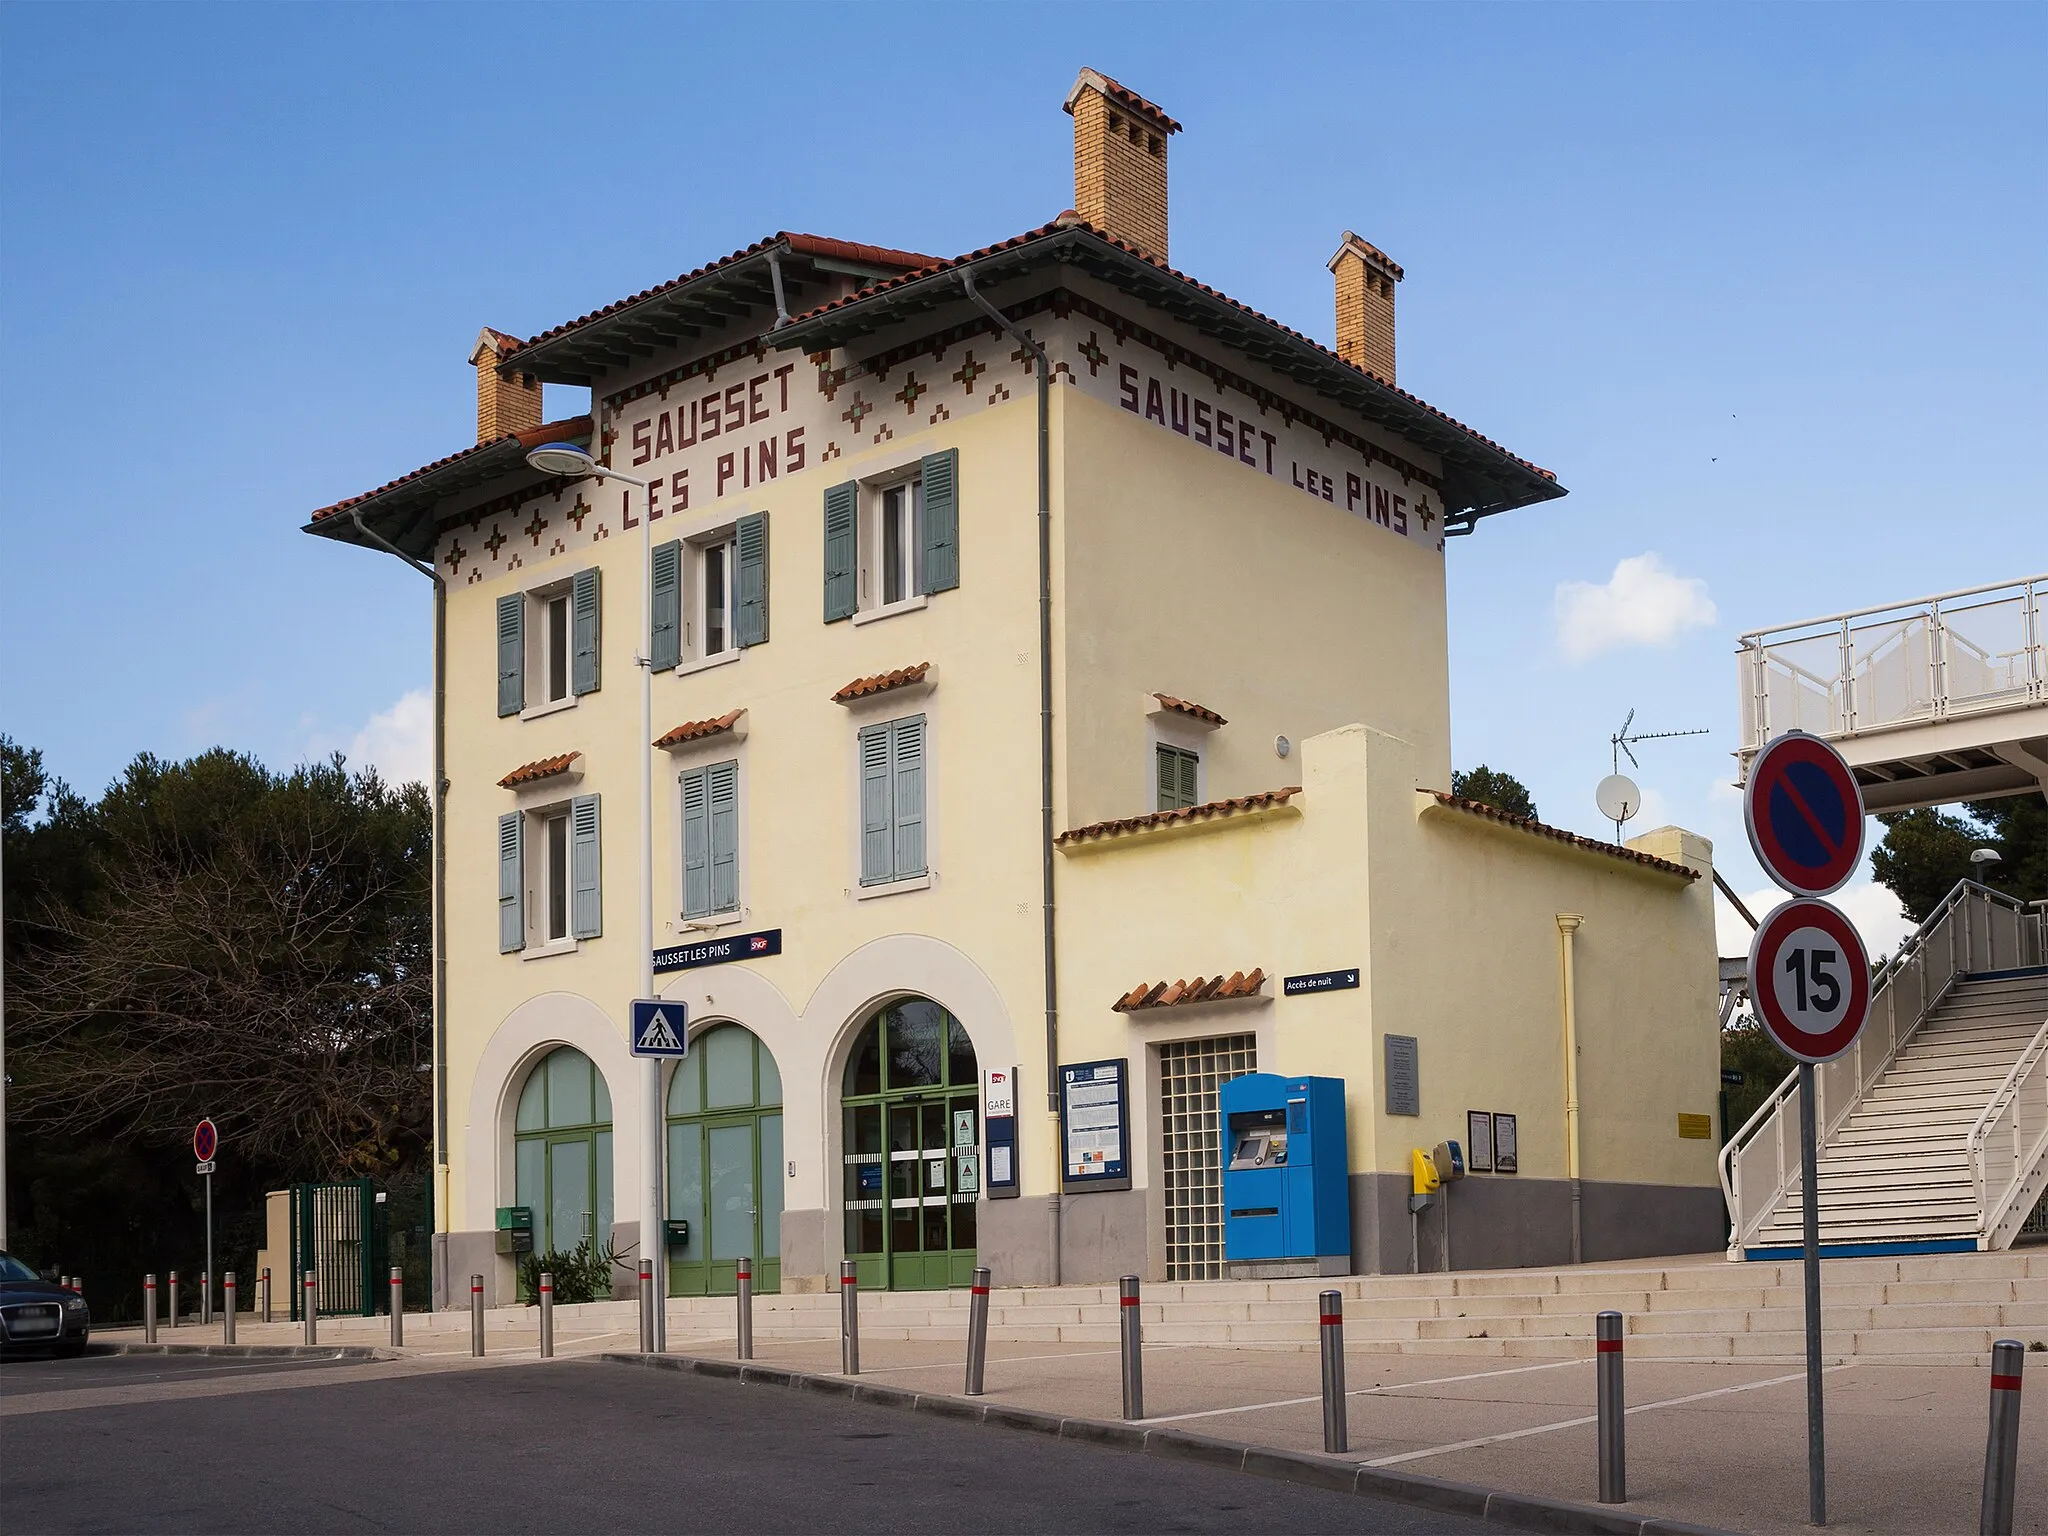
x,y
1398,1386
1544,1429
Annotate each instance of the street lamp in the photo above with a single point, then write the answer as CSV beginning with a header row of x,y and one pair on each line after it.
x,y
574,463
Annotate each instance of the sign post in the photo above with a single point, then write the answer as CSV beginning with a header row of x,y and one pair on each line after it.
x,y
206,1142
1810,978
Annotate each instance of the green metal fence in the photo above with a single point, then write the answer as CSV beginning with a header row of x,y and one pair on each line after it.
x,y
341,1231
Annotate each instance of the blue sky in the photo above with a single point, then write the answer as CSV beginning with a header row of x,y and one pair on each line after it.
x,y
1763,285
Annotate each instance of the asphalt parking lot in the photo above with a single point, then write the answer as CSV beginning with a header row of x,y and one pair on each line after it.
x,y
346,1446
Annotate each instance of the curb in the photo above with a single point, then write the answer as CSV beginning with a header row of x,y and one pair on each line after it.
x,y
1523,1511
249,1351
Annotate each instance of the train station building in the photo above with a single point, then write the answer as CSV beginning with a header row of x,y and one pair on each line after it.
x,y
1050,706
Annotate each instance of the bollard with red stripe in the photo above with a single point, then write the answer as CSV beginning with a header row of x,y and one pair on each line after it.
x,y
263,1292
312,1306
547,1314
1133,1347
149,1308
743,1292
849,1317
977,1331
1336,1426
476,1314
396,1285
1613,1411
2002,1450
229,1303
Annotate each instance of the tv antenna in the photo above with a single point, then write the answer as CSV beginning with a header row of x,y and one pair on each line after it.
x,y
1617,795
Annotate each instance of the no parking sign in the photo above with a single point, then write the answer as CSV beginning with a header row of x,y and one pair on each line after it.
x,y
1804,812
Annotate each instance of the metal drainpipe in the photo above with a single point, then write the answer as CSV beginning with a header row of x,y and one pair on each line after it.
x,y
440,899
1045,851
1568,925
775,274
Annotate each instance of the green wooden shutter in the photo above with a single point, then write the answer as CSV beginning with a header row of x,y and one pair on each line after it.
x,y
750,581
696,844
876,806
907,766
586,894
842,503
512,653
1189,762
722,781
1175,774
583,624
511,883
667,642
941,475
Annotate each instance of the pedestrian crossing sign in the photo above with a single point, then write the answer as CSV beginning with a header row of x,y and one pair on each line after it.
x,y
660,1027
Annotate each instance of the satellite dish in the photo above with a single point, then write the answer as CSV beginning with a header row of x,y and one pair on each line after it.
x,y
1618,798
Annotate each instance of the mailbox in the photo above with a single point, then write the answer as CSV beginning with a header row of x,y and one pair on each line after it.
x,y
515,1230
1286,1182
676,1233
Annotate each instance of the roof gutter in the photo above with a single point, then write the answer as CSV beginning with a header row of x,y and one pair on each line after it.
x,y
1046,862
440,897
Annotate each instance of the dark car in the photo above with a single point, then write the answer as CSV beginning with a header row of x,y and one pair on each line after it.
x,y
38,1315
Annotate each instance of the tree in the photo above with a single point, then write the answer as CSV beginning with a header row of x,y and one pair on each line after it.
x,y
1925,852
1503,791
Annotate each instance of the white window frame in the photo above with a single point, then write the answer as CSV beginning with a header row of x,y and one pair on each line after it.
x,y
897,704
727,747
542,873
540,601
869,540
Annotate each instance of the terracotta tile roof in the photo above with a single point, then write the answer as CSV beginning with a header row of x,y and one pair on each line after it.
x,y
531,437
1367,249
697,730
1214,808
804,245
1194,711
1124,96
1559,835
867,687
1073,221
500,342
1203,989
545,768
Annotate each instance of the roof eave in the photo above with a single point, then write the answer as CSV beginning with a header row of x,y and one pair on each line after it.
x,y
1480,480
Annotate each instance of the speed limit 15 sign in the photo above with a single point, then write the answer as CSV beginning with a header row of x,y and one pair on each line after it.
x,y
1810,979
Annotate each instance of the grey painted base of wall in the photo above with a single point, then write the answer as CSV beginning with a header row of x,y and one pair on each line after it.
x,y
1517,1223
1102,1236
458,1255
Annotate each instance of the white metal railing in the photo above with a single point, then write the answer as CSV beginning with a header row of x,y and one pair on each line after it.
x,y
1934,658
1974,929
2009,1145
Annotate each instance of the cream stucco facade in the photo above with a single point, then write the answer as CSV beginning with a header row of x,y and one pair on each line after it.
x,y
1239,522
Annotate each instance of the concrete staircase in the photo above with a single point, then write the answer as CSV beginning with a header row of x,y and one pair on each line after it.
x,y
1897,1169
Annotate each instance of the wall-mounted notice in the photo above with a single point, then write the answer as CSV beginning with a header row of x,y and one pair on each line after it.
x,y
1478,1141
999,1125
1094,1140
1404,1076
1504,1160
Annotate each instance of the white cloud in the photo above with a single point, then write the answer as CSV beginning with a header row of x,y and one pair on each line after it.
x,y
1871,907
399,741
1643,603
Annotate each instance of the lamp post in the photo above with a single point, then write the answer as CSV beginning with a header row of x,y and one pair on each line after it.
x,y
572,462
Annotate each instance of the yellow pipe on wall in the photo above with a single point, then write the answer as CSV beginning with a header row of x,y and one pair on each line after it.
x,y
1567,925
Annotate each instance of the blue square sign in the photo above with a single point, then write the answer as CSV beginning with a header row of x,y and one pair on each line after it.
x,y
660,1027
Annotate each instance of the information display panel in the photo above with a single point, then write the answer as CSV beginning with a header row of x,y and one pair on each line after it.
x,y
1095,1126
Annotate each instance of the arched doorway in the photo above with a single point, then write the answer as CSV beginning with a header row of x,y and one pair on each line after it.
x,y
913,1132
725,1163
562,1152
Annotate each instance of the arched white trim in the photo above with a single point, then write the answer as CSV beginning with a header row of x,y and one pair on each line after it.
x,y
528,1033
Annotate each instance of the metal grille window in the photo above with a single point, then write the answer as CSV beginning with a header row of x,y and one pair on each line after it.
x,y
1190,1072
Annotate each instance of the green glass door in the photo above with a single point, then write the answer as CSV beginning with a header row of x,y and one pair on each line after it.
x,y
725,1168
562,1153
912,1149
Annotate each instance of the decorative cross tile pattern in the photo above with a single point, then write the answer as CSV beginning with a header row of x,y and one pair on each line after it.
x,y
968,371
1025,355
495,542
999,394
456,555
910,391
941,414
831,452
885,434
1426,512
579,512
1092,354
533,529
558,548
854,413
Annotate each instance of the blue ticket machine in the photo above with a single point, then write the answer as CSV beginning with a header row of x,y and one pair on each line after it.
x,y
1286,1182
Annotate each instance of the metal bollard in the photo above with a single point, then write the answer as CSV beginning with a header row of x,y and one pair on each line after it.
x,y
149,1308
476,1314
743,1287
311,1287
1336,1424
1133,1347
547,1314
227,1308
205,1298
977,1331
647,1306
397,1307
849,1317
1613,1411
263,1291
2002,1450
174,1298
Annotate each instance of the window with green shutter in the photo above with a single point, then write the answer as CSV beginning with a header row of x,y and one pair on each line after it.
x,y
511,883
892,801
586,890
667,638
711,839
511,653
750,542
583,595
1175,769
940,476
842,554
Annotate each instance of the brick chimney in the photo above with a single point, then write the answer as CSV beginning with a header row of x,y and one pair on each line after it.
x,y
1365,306
502,405
1120,161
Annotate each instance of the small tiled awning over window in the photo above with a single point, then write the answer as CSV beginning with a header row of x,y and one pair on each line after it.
x,y
545,768
1263,800
698,730
882,682
1193,711
1203,989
